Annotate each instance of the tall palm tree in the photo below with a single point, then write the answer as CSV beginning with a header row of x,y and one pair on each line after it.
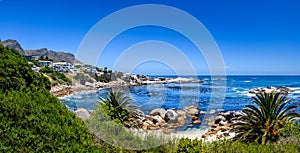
x,y
116,105
263,122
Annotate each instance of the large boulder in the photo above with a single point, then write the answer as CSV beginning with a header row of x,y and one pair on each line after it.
x,y
171,116
139,114
219,118
159,111
82,113
181,113
157,119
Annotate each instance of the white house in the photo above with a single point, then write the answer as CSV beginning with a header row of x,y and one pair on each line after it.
x,y
46,63
32,57
63,67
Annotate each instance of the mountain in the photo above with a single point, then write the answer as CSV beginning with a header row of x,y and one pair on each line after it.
x,y
56,56
13,44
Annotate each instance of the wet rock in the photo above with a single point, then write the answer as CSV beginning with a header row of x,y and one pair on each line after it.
x,y
157,119
171,116
192,110
202,112
212,112
282,90
159,111
196,122
139,114
195,117
181,113
219,118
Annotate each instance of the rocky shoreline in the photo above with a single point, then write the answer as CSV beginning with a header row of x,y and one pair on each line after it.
x,y
63,90
219,124
170,121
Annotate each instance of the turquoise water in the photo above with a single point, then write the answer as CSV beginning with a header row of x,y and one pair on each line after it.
x,y
176,95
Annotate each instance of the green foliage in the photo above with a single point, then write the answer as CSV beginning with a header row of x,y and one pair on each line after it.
x,y
106,77
82,78
37,63
115,105
264,123
191,146
110,136
46,69
56,76
16,73
60,77
31,119
36,121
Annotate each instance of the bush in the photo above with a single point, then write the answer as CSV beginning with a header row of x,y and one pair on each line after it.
x,y
31,119
16,73
46,69
37,121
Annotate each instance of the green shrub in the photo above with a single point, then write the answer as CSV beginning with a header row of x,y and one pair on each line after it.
x,y
16,73
37,121
46,69
31,119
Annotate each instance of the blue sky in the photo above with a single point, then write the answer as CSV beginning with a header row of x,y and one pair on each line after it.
x,y
255,37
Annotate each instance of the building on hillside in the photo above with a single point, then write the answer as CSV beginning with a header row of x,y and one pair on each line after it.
x,y
63,67
32,57
46,63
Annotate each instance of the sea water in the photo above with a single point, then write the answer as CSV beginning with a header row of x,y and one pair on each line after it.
x,y
180,95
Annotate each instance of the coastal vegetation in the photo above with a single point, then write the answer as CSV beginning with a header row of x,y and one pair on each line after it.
x,y
33,120
263,123
55,77
116,106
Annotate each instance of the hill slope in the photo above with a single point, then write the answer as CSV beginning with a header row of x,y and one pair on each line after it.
x,y
33,120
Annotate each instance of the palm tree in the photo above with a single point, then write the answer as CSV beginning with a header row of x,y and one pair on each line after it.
x,y
117,105
263,123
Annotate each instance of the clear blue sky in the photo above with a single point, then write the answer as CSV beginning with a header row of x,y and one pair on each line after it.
x,y
254,36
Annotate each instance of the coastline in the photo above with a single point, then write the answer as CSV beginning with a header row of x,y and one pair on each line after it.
x,y
214,132
64,90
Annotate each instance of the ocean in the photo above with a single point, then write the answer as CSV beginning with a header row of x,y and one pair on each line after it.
x,y
180,95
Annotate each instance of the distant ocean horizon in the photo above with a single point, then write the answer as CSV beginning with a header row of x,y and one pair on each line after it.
x,y
179,95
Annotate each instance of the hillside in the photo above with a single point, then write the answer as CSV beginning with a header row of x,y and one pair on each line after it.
x,y
33,120
56,56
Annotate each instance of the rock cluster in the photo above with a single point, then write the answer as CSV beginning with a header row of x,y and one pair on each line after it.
x,y
282,90
166,120
220,126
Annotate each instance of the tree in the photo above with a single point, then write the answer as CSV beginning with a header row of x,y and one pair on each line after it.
x,y
263,123
116,105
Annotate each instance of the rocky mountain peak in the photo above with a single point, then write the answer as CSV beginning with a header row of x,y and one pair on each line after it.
x,y
13,44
